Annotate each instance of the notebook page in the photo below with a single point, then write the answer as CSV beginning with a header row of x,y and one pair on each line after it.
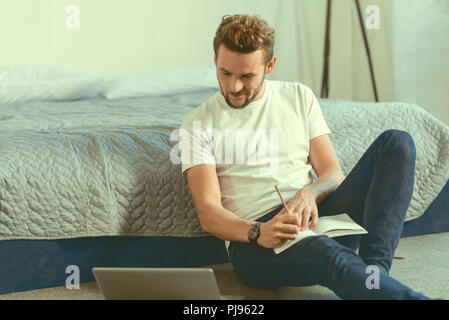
x,y
299,236
336,222
336,225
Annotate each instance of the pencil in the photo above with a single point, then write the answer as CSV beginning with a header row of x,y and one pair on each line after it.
x,y
282,199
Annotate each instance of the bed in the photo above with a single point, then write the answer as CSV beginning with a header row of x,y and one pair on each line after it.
x,y
93,180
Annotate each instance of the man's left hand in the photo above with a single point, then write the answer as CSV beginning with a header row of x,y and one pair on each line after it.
x,y
304,204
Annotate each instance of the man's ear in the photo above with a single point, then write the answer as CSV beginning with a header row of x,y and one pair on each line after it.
x,y
215,59
270,65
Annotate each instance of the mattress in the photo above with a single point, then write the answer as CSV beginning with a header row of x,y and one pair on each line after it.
x,y
97,167
94,167
355,125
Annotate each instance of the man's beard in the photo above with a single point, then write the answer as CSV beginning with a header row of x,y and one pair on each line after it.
x,y
248,99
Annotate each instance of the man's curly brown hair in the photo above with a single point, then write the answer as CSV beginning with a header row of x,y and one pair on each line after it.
x,y
244,34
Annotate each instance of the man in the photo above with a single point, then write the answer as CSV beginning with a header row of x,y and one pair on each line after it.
x,y
236,200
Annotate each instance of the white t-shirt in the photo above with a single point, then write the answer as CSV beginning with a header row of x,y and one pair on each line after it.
x,y
257,147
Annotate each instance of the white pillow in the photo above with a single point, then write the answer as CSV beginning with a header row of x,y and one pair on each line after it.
x,y
47,83
161,82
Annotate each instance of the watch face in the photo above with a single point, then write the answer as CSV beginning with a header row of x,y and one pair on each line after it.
x,y
253,232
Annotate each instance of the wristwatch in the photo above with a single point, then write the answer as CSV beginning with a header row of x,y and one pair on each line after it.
x,y
254,232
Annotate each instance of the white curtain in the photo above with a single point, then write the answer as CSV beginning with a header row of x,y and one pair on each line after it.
x,y
300,27
421,54
409,50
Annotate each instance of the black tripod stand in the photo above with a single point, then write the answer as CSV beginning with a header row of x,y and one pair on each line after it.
x,y
325,79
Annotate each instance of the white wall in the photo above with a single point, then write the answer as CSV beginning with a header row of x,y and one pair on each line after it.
x,y
117,37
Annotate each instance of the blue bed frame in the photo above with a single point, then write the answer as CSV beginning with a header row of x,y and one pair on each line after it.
x,y
35,264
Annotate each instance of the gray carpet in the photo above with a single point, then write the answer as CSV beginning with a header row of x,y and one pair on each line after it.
x,y
424,268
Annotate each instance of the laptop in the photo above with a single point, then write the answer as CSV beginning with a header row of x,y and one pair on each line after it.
x,y
159,284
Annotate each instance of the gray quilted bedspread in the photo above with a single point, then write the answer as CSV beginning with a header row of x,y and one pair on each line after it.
x,y
102,167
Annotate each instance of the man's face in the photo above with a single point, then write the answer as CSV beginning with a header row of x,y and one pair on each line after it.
x,y
241,75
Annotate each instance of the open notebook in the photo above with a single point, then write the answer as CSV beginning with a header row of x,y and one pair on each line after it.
x,y
331,226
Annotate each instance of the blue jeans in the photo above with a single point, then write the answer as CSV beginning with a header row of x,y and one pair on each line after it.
x,y
376,194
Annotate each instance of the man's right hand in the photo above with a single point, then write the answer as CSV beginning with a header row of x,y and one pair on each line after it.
x,y
281,228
